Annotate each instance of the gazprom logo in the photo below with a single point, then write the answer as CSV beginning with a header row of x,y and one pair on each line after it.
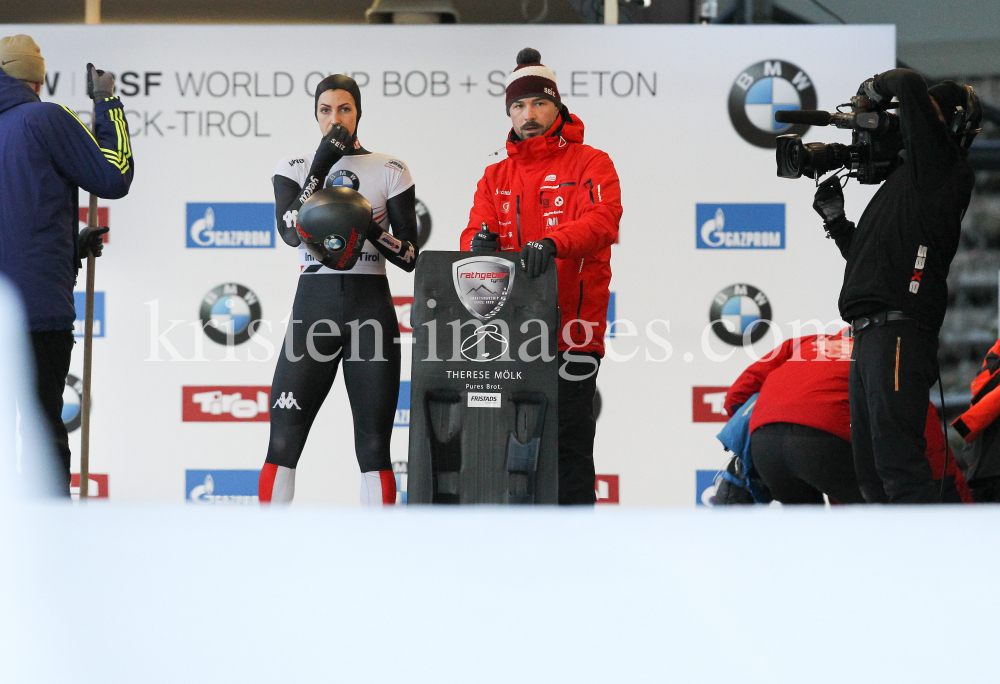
x,y
230,224
740,226
80,303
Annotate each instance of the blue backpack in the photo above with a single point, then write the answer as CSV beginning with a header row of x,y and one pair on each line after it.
x,y
735,436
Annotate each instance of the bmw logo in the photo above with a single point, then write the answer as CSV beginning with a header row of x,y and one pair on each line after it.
x,y
763,89
423,224
334,243
737,309
72,410
228,313
343,179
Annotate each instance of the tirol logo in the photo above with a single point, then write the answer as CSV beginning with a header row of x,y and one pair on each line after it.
x,y
343,179
222,486
737,310
216,404
103,219
72,403
763,89
705,487
483,284
229,312
606,489
423,223
403,305
230,225
708,405
97,486
80,304
740,226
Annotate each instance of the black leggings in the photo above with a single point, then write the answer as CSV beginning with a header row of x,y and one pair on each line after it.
x,y
347,315
799,464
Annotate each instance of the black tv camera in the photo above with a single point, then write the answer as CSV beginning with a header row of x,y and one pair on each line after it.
x,y
872,155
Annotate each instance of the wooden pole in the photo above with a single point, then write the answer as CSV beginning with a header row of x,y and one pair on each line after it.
x,y
88,355
91,15
92,12
610,12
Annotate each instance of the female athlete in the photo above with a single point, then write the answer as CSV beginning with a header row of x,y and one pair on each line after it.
x,y
341,314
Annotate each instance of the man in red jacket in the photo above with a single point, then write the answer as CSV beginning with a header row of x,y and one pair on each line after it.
x,y
800,429
554,197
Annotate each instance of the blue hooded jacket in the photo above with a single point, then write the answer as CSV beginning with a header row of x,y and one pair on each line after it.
x,y
46,153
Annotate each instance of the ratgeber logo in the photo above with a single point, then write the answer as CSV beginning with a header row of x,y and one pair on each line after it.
x,y
740,226
228,225
214,404
483,284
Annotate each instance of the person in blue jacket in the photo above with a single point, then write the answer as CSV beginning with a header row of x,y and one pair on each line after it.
x,y
46,155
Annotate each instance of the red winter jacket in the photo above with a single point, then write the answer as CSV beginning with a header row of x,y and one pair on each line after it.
x,y
553,186
797,388
985,406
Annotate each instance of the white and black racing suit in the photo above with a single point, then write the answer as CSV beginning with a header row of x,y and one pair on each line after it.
x,y
342,315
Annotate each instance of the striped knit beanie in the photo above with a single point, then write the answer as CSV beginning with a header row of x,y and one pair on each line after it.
x,y
531,78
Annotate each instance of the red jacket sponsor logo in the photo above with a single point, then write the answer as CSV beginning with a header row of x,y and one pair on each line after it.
x,y
212,404
709,405
606,489
97,486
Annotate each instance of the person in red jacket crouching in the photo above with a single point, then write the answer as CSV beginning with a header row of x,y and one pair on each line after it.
x,y
800,429
555,198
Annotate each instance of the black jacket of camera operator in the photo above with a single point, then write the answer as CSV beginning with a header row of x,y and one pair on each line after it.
x,y
899,254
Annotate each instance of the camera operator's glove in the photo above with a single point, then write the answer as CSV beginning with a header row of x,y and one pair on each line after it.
x,y
332,148
829,202
100,84
485,241
91,241
868,98
535,257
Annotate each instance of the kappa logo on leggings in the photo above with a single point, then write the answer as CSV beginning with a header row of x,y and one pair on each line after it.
x,y
287,400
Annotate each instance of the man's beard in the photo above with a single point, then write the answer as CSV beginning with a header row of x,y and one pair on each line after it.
x,y
530,130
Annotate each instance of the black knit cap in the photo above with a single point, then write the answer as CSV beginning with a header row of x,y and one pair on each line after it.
x,y
950,96
339,82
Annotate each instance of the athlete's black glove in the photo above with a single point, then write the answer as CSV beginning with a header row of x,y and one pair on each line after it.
x,y
332,147
91,240
100,84
485,241
535,257
829,201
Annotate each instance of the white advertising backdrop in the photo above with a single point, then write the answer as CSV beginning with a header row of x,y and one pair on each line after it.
x,y
213,108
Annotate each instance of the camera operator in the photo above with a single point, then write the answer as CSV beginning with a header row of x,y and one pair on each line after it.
x,y
895,291
46,154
